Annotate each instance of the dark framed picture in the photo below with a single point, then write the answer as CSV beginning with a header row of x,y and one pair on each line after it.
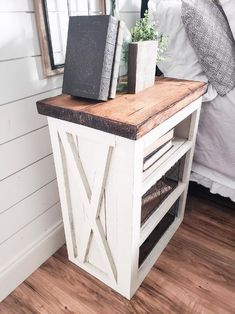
x,y
52,22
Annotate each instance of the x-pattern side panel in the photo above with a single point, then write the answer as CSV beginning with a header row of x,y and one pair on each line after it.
x,y
91,199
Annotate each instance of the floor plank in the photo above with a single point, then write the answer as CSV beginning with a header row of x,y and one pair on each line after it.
x,y
195,274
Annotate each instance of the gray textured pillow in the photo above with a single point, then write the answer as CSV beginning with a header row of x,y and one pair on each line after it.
x,y
212,40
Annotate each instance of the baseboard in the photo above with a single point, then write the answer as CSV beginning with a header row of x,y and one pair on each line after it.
x,y
15,273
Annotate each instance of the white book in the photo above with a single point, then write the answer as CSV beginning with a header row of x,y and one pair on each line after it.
x,y
153,158
176,144
117,60
159,142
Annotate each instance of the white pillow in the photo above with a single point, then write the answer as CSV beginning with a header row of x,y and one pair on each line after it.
x,y
229,10
180,59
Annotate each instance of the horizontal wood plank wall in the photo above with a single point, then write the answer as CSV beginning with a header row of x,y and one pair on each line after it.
x,y
28,149
16,6
30,216
19,215
22,26
30,222
23,77
21,117
18,186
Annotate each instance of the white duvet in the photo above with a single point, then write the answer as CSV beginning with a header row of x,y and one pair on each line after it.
x,y
215,146
180,59
214,160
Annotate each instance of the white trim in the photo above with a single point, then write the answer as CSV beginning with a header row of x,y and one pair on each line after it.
x,y
22,267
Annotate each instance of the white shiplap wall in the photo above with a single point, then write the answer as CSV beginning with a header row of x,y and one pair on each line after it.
x,y
30,220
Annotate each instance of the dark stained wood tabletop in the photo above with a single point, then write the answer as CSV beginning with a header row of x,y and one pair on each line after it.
x,y
128,115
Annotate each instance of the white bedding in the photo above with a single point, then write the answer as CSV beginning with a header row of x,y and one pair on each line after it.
x,y
180,59
215,146
214,158
215,181
229,10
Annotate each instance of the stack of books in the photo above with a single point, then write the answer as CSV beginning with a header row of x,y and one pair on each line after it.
x,y
156,151
93,55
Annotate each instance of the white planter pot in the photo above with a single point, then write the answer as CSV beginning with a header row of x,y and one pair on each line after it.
x,y
141,65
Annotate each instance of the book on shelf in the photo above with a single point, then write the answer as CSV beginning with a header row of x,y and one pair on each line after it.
x,y
117,60
89,56
154,194
153,198
176,144
159,142
155,155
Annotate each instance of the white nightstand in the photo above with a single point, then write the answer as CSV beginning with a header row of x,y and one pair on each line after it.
x,y
99,153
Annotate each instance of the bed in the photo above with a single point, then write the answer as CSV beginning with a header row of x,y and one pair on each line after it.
x,y
214,158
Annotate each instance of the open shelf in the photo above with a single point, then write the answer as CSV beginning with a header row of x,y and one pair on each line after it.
x,y
147,246
161,189
156,216
158,169
153,198
156,251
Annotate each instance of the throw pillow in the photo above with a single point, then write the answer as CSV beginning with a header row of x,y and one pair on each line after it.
x,y
180,59
211,38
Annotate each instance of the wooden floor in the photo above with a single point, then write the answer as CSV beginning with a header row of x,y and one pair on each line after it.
x,y
195,274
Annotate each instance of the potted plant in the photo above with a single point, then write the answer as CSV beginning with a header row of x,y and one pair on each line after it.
x,y
144,51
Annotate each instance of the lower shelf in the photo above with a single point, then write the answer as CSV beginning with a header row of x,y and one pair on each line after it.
x,y
157,233
154,197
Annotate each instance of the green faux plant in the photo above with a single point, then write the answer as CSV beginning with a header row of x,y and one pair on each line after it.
x,y
145,30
